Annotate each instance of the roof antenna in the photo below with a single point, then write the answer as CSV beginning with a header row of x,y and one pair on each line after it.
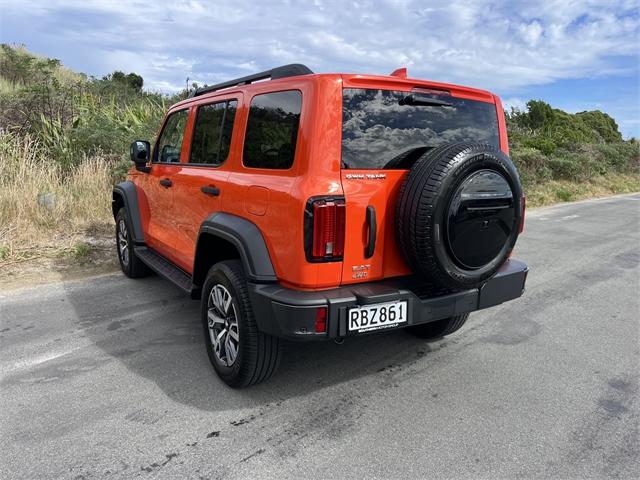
x,y
399,72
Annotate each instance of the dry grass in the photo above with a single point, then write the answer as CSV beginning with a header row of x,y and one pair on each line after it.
x,y
80,203
555,191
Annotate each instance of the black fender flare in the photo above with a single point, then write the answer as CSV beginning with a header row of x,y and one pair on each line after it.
x,y
125,194
248,240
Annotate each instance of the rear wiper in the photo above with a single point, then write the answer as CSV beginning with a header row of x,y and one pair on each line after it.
x,y
423,102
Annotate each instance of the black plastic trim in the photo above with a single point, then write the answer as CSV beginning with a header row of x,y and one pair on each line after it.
x,y
209,190
247,238
290,70
127,192
165,268
373,231
289,313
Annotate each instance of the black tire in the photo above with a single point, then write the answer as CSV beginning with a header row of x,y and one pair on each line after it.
x,y
425,204
255,355
131,265
439,328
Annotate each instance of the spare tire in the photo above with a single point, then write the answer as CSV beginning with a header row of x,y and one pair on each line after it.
x,y
458,214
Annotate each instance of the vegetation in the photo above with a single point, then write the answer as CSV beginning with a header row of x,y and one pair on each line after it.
x,y
563,156
63,143
64,140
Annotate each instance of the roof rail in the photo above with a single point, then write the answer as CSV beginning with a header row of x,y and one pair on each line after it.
x,y
291,70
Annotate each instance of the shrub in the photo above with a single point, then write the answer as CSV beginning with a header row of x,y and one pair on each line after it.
x,y
566,167
544,144
564,195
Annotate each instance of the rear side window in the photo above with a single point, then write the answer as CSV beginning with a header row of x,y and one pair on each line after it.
x,y
170,141
212,133
381,129
272,130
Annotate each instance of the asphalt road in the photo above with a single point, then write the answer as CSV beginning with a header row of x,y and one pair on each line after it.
x,y
108,378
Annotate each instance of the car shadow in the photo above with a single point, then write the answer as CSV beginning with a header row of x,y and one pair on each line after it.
x,y
154,330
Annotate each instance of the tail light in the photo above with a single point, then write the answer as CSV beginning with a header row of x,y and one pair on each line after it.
x,y
324,229
523,202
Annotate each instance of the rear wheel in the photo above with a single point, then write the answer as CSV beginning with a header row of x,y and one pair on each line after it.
x,y
131,265
439,328
240,354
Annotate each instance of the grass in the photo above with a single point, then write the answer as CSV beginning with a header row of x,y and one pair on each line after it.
x,y
554,191
76,202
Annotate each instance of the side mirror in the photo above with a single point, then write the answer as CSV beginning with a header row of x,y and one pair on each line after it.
x,y
140,154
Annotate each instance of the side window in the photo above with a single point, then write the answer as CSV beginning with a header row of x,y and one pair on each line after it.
x,y
212,133
170,142
272,130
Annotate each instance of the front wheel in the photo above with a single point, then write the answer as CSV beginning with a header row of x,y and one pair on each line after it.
x,y
439,328
240,354
131,265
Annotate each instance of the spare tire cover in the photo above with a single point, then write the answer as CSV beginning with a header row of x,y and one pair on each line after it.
x,y
458,214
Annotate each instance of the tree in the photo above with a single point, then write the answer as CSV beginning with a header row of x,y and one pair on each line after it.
x,y
131,80
540,114
603,124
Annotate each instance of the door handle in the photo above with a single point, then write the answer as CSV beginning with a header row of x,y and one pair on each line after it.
x,y
165,182
213,191
373,231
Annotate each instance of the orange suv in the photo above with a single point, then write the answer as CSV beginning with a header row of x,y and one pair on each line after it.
x,y
313,206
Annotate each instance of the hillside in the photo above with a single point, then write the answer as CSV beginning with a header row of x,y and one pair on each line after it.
x,y
64,141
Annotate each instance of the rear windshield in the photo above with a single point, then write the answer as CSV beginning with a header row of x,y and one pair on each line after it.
x,y
381,130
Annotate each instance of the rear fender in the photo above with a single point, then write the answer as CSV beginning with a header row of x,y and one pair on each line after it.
x,y
247,240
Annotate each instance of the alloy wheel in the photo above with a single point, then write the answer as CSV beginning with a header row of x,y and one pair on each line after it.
x,y
123,242
223,325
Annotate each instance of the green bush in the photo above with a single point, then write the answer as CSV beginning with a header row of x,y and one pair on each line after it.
x,y
564,195
566,167
541,143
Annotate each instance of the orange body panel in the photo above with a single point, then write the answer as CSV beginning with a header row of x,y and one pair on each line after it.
x,y
274,200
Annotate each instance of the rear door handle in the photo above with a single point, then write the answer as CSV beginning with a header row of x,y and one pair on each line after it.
x,y
373,232
165,182
213,191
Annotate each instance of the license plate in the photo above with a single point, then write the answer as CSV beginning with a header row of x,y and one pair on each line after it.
x,y
377,316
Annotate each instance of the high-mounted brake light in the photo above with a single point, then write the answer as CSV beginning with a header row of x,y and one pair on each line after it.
x,y
327,229
430,91
523,202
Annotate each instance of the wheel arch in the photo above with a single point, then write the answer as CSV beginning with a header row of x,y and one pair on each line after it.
x,y
224,236
125,195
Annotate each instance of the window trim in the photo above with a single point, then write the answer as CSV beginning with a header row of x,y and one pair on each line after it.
x,y
154,158
193,130
246,126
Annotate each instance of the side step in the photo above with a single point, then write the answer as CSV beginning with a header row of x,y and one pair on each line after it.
x,y
165,268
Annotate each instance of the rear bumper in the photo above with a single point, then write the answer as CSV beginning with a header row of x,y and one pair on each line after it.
x,y
291,313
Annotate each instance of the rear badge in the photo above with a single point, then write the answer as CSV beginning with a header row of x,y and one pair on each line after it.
x,y
366,176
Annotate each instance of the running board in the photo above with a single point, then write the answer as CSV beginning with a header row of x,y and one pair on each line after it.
x,y
165,268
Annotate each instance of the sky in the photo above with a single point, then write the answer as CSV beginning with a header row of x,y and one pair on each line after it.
x,y
575,54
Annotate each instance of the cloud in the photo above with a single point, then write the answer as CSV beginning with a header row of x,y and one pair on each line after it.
x,y
514,102
498,46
